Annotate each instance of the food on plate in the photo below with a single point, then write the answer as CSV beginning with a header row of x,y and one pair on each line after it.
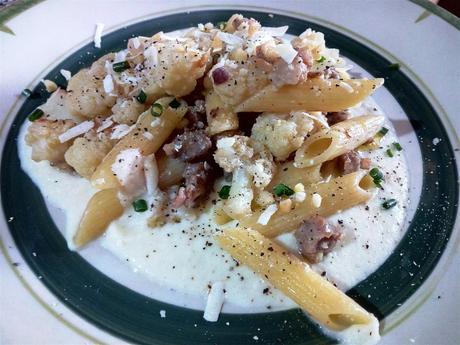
x,y
233,161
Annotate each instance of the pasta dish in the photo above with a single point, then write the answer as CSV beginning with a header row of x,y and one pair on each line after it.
x,y
230,162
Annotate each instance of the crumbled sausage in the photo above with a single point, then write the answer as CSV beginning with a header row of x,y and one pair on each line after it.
x,y
348,162
336,117
190,146
316,238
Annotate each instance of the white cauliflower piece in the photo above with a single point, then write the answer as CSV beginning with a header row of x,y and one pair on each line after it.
x,y
282,133
252,167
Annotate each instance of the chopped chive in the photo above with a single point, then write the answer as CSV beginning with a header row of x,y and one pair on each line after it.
x,y
377,176
322,59
221,25
140,205
35,115
156,109
281,189
174,104
394,66
383,131
387,204
224,192
120,66
397,146
141,97
390,153
26,93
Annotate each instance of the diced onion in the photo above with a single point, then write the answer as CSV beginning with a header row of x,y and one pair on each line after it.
x,y
75,131
265,216
215,302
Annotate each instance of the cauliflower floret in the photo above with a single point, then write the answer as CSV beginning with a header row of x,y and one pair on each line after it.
x,y
127,111
85,91
282,133
43,137
174,66
252,167
87,152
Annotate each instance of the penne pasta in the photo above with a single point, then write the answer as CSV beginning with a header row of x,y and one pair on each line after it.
x,y
330,143
220,118
290,175
286,272
337,195
102,209
311,95
159,127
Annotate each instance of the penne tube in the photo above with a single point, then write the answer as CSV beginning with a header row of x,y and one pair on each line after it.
x,y
102,209
290,175
312,95
330,143
171,171
286,272
337,195
220,118
159,128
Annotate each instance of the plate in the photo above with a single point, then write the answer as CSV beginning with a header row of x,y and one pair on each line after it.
x,y
135,317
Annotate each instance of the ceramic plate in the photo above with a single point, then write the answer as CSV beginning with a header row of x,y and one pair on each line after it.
x,y
118,309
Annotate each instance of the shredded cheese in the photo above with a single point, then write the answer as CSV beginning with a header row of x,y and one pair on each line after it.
x,y
215,302
151,174
286,52
98,35
265,216
105,124
275,31
66,74
120,131
76,131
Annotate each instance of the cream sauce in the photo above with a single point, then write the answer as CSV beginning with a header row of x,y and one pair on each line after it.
x,y
185,258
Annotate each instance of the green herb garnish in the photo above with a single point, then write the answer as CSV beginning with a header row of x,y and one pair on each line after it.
x,y
26,93
397,146
174,104
35,115
321,60
390,153
224,192
141,97
281,189
394,66
221,25
120,66
383,131
387,204
156,109
140,205
377,176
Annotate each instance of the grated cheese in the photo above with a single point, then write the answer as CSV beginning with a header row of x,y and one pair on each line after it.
x,y
76,131
275,31
66,74
120,131
108,84
215,302
230,39
151,56
265,216
151,174
105,124
286,52
98,35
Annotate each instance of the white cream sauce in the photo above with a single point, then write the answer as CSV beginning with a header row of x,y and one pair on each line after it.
x,y
184,257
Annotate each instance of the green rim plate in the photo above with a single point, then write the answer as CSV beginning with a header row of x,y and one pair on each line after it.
x,y
135,317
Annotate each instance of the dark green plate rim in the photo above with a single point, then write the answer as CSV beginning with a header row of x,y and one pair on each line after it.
x,y
135,317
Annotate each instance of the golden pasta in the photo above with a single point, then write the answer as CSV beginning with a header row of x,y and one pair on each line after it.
x,y
337,195
311,95
285,271
332,142
159,128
